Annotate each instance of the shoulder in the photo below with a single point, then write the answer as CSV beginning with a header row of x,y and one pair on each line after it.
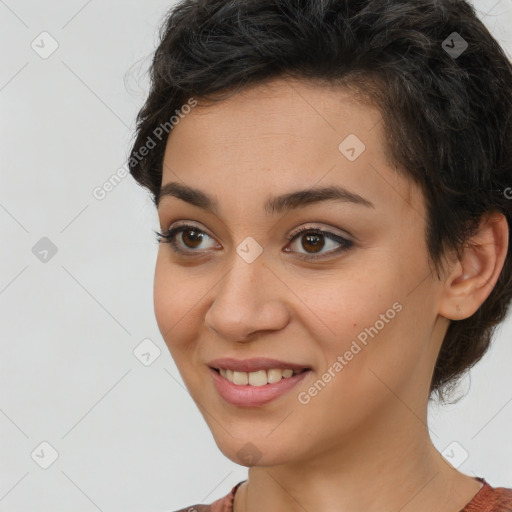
x,y
196,508
503,499
221,505
491,499
224,504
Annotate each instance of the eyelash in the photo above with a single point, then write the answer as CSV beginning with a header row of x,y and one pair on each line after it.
x,y
168,237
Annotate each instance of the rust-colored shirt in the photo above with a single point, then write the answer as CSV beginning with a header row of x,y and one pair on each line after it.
x,y
487,499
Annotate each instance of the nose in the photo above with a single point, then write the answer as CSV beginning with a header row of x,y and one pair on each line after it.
x,y
249,298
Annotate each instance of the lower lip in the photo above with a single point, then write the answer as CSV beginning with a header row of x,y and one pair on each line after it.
x,y
253,396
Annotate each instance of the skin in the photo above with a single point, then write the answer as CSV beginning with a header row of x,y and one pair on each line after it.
x,y
362,443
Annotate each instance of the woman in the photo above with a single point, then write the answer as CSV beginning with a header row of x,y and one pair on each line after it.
x,y
331,183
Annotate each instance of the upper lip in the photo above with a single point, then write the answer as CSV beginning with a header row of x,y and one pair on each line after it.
x,y
254,364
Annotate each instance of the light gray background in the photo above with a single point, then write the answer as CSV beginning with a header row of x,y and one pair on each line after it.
x,y
128,436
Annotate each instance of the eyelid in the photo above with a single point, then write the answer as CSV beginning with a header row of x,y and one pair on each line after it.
x,y
186,223
309,227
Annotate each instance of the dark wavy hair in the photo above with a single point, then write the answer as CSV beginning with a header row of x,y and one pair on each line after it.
x,y
447,115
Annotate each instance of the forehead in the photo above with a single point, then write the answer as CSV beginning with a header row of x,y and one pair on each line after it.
x,y
283,132
293,105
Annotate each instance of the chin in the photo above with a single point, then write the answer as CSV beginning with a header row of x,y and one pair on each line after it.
x,y
255,450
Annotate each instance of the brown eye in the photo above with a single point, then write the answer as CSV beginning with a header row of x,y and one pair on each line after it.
x,y
313,240
191,238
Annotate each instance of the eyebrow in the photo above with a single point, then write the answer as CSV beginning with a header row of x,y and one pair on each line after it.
x,y
276,204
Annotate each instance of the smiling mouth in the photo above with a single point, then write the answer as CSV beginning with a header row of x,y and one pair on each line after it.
x,y
259,377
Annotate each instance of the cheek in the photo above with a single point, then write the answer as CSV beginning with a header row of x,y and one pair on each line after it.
x,y
163,300
371,364
174,298
360,323
337,307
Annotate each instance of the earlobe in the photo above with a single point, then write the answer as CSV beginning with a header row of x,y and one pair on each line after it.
x,y
472,278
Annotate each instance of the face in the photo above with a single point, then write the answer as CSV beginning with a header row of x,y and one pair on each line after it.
x,y
351,298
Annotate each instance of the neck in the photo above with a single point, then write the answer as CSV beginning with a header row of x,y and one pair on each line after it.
x,y
389,465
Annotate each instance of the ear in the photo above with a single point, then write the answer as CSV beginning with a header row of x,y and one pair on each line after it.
x,y
472,278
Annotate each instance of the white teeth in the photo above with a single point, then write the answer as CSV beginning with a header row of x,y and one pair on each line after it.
x,y
258,378
241,378
274,375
